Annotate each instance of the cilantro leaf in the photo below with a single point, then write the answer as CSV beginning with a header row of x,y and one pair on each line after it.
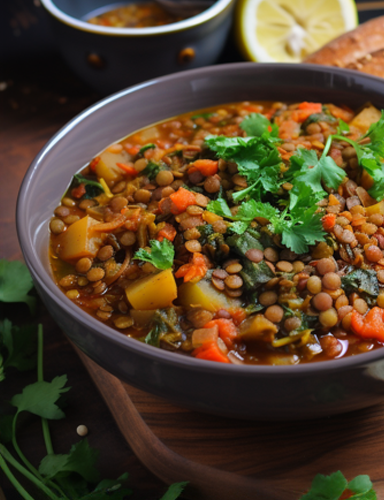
x,y
220,207
252,155
308,172
161,254
40,398
343,128
110,489
326,487
361,484
81,459
15,283
174,491
257,124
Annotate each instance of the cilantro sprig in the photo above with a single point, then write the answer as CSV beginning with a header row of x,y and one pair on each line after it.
x,y
334,486
161,254
256,156
370,156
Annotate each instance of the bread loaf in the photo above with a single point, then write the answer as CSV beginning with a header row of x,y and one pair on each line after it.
x,y
361,49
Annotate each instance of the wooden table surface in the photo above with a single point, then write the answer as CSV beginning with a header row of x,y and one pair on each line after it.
x,y
40,97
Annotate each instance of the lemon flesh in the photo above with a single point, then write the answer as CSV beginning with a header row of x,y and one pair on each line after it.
x,y
289,30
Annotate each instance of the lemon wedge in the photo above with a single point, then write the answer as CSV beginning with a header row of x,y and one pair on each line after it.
x,y
289,30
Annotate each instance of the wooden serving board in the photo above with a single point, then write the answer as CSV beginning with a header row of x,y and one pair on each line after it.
x,y
227,459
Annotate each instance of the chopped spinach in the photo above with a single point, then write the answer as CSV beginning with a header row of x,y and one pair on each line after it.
x,y
163,321
205,231
254,274
152,169
361,281
92,188
146,147
241,243
318,117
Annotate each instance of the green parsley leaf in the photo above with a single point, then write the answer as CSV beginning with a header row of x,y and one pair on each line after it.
x,y
15,283
40,398
161,254
81,459
326,487
308,172
257,124
252,155
343,128
361,484
174,491
150,145
220,207
110,489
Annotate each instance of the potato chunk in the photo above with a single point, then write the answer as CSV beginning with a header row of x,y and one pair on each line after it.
x,y
107,168
258,328
155,291
365,118
205,295
79,240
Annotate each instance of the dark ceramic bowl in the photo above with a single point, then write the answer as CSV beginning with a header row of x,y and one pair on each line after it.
x,y
255,392
110,59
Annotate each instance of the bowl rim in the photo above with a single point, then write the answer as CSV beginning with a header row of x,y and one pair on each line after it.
x,y
214,10
99,329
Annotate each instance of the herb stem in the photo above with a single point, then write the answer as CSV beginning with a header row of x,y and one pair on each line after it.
x,y
4,454
27,463
340,138
40,378
15,483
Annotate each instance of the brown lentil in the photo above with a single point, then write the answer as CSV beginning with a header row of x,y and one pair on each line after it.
x,y
274,313
284,266
95,274
329,317
164,178
105,253
128,238
234,268
254,255
325,266
332,281
291,324
233,281
83,265
268,298
271,254
57,226
322,301
314,284
193,246
373,253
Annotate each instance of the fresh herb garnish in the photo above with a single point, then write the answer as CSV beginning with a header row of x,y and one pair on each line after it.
x,y
257,124
161,254
17,347
299,227
334,486
307,173
150,145
257,159
206,116
342,128
16,283
369,155
163,321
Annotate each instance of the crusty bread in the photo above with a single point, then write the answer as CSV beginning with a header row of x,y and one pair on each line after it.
x,y
361,49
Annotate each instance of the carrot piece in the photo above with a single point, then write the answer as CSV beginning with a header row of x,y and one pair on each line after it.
x,y
210,352
329,221
289,129
370,326
206,167
182,199
106,227
78,191
227,330
345,113
332,200
168,232
194,270
285,155
238,315
315,107
132,150
129,169
93,163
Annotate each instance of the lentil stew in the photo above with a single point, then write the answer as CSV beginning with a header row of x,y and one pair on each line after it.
x,y
247,233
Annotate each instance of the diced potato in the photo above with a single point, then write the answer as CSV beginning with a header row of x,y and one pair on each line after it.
x,y
79,240
142,318
365,118
155,291
258,328
206,296
149,135
378,208
204,335
107,168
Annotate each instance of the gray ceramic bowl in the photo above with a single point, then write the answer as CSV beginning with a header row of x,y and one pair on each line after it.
x,y
110,59
257,392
